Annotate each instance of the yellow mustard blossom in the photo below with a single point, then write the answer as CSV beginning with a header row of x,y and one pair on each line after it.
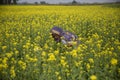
x,y
63,62
12,72
118,47
77,63
27,56
119,70
36,48
62,57
114,61
33,59
59,78
88,66
56,52
93,77
43,53
51,57
1,67
95,36
22,64
15,43
13,60
30,59
74,53
9,55
4,47
91,60
4,61
45,46
72,43
27,45
79,49
57,73
99,45
36,71
4,64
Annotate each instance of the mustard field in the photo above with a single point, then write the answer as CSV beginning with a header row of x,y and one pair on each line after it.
x,y
28,51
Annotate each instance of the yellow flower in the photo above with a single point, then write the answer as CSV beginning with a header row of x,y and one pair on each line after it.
x,y
4,47
56,52
89,41
36,71
7,35
119,70
99,45
9,55
59,78
27,56
22,64
36,48
95,36
13,60
16,52
12,72
57,73
1,67
4,66
62,57
93,77
43,53
74,53
91,60
88,66
51,57
118,47
45,46
74,43
114,61
4,61
77,63
33,59
63,62
15,43
27,45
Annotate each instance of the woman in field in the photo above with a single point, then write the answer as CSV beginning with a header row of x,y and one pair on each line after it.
x,y
65,37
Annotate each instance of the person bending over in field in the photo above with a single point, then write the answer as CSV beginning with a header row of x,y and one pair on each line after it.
x,y
65,37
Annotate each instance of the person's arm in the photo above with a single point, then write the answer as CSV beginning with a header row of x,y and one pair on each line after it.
x,y
63,41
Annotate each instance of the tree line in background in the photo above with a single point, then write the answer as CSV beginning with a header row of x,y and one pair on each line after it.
x,y
5,2
43,2
8,1
74,2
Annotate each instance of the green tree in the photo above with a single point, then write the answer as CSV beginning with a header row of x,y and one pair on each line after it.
x,y
1,1
14,1
74,2
43,2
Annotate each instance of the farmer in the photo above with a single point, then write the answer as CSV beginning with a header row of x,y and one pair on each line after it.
x,y
65,37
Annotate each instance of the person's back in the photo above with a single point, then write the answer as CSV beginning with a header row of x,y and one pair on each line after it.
x,y
69,38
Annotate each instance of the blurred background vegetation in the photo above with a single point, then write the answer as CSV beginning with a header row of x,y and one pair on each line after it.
x,y
73,2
